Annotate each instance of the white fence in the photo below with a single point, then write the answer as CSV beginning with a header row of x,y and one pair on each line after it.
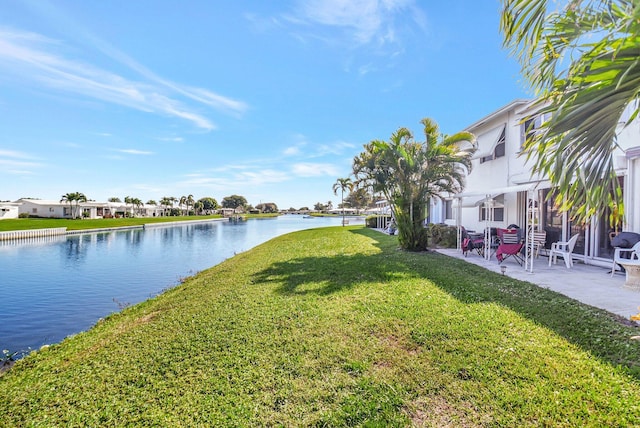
x,y
35,233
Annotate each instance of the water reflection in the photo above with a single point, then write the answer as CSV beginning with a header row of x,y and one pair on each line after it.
x,y
56,286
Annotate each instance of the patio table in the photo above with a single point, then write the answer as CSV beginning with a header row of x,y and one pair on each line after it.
x,y
632,268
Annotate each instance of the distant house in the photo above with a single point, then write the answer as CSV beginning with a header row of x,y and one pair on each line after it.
x,y
89,209
228,212
44,208
9,210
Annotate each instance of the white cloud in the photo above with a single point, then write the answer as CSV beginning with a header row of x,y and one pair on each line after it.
x,y
172,139
29,56
17,163
263,176
134,152
336,148
10,164
366,21
309,169
14,154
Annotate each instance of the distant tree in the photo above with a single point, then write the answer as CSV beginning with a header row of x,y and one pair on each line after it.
x,y
304,209
166,203
114,199
197,207
208,204
72,197
319,206
187,201
291,209
359,198
342,184
181,203
234,201
190,202
329,205
152,202
267,207
137,203
128,200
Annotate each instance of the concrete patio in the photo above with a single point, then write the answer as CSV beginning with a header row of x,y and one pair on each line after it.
x,y
589,284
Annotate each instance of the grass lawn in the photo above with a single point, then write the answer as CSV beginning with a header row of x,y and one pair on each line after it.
x,y
336,327
42,223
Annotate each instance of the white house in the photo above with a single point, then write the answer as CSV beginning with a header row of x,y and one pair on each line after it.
x,y
44,208
89,209
500,187
9,210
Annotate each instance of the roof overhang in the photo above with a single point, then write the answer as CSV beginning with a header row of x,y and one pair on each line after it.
x,y
473,199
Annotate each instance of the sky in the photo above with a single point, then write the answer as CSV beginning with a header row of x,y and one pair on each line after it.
x,y
270,100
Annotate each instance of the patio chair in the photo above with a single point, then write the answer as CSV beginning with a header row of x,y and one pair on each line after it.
x,y
472,241
563,249
539,241
625,255
510,245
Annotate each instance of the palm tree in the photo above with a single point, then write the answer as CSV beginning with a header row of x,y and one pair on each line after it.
x,y
136,202
410,173
342,184
190,201
583,61
72,197
183,201
166,203
129,200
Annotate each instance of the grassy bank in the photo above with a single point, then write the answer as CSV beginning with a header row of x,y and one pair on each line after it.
x,y
78,224
336,327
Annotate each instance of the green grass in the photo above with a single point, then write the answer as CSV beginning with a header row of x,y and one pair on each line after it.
x,y
337,327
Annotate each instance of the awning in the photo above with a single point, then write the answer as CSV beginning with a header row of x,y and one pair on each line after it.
x,y
474,199
488,141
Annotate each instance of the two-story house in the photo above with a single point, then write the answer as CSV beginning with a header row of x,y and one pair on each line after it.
x,y
500,186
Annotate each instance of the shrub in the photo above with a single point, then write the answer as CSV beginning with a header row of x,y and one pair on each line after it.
x,y
23,215
442,235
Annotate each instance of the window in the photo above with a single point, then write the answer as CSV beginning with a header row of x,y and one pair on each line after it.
x,y
34,211
51,209
448,209
498,213
530,127
499,149
498,209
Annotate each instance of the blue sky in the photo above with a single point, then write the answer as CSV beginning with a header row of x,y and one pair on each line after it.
x,y
269,100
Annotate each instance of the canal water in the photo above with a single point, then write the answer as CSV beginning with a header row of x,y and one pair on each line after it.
x,y
53,287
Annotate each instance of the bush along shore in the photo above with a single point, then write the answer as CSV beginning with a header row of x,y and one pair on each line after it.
x,y
337,327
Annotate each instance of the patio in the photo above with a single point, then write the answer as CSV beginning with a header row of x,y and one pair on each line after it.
x,y
588,284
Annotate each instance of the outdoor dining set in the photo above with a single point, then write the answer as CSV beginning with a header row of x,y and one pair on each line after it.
x,y
511,243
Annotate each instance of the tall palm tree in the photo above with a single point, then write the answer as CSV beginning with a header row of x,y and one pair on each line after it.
x,y
69,198
583,61
410,173
190,201
182,202
137,203
72,197
342,184
128,200
166,203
